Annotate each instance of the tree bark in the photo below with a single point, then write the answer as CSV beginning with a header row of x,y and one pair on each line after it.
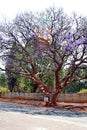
x,y
53,99
56,88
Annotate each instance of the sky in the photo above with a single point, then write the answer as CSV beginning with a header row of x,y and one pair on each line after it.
x,y
9,8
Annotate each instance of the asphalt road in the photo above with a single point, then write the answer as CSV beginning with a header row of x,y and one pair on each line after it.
x,y
21,121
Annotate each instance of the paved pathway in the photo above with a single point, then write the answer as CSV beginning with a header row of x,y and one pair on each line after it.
x,y
16,117
19,121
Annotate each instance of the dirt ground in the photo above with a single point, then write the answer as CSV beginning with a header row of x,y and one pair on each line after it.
x,y
80,107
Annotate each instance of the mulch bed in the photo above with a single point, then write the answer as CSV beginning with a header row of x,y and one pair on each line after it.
x,y
79,107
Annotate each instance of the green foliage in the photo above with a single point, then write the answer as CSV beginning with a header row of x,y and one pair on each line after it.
x,y
75,87
3,90
3,79
24,89
26,85
48,78
62,73
83,91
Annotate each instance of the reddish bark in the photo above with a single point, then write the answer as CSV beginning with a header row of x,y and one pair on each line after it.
x,y
54,98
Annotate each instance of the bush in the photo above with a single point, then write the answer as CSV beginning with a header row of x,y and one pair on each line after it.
x,y
3,79
75,87
3,90
24,89
83,91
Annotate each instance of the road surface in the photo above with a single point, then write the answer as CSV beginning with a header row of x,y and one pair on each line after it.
x,y
21,121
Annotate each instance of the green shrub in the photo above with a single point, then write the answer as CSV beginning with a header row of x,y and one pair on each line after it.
x,y
3,79
3,90
75,87
83,91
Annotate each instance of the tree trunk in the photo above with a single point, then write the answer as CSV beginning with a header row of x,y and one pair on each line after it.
x,y
53,100
56,89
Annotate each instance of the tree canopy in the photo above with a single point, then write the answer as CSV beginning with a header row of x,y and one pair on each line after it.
x,y
50,41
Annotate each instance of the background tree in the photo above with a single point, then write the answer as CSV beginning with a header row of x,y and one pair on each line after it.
x,y
48,40
3,80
